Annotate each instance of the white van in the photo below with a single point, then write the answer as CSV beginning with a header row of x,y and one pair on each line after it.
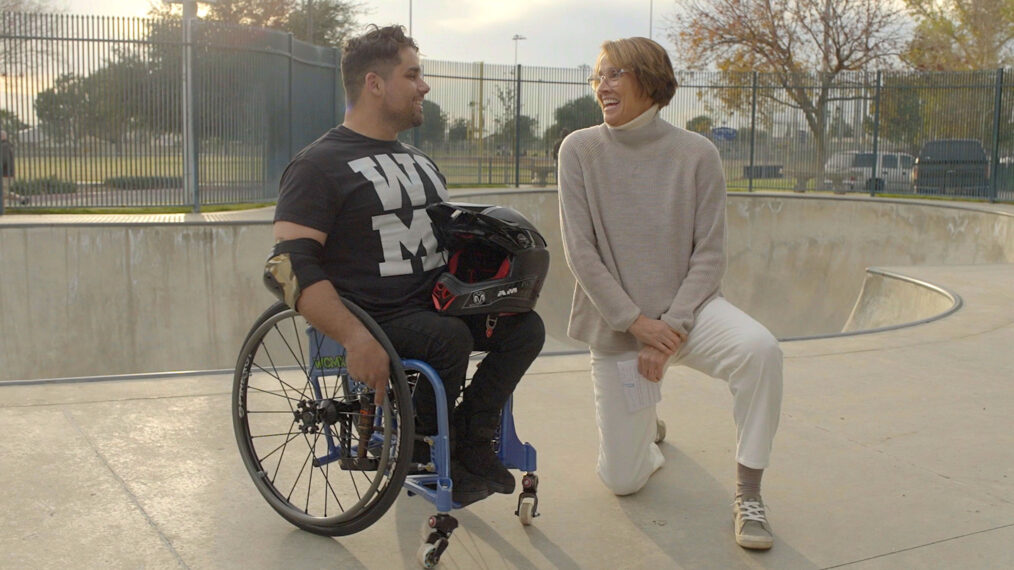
x,y
853,172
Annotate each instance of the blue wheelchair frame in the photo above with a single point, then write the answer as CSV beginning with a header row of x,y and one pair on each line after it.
x,y
435,487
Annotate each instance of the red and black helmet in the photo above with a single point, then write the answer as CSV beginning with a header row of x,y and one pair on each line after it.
x,y
496,260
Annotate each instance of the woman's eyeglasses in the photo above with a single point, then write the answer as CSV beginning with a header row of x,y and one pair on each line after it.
x,y
610,76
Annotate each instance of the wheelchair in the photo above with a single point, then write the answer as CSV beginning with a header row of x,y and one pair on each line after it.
x,y
329,460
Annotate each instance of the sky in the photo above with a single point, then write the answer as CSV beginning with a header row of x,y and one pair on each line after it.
x,y
558,33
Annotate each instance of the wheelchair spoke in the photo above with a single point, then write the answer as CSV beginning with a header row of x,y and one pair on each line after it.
x,y
284,396
282,383
306,375
286,387
309,483
299,476
269,435
297,355
291,436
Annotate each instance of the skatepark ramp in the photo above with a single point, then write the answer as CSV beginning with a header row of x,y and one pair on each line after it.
x,y
151,295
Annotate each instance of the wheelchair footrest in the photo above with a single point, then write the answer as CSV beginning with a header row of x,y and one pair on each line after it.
x,y
359,463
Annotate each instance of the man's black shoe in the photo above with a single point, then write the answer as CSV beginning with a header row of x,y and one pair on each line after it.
x,y
467,487
478,457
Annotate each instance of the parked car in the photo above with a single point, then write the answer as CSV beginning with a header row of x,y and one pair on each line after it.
x,y
853,172
951,166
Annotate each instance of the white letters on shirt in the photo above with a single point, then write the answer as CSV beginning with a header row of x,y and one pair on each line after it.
x,y
398,173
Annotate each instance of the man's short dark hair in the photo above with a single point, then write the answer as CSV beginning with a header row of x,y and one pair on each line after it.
x,y
375,51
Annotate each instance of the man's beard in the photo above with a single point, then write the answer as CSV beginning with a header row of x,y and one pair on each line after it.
x,y
404,121
417,118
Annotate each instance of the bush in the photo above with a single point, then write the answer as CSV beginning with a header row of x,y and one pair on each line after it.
x,y
144,182
48,185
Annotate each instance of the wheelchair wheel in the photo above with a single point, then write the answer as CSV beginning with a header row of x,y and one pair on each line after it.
x,y
318,450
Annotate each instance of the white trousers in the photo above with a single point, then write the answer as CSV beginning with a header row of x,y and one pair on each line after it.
x,y
725,343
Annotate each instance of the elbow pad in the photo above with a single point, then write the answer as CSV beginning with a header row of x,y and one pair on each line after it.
x,y
292,266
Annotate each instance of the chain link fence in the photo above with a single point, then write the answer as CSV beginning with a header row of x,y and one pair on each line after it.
x,y
93,111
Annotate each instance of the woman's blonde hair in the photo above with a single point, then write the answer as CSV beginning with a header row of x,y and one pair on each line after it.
x,y
649,62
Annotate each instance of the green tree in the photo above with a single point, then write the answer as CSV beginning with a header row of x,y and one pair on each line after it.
x,y
11,123
433,132
320,22
700,124
504,132
527,132
901,111
113,99
58,108
789,41
573,115
458,131
324,22
24,19
258,13
960,35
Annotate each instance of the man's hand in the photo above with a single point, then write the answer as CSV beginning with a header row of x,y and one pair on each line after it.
x,y
656,334
368,363
651,363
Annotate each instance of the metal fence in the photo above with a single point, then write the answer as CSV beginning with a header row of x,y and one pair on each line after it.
x,y
774,132
94,110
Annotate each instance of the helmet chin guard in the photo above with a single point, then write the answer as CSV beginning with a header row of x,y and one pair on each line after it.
x,y
496,260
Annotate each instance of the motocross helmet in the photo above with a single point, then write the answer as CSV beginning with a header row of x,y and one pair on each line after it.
x,y
496,260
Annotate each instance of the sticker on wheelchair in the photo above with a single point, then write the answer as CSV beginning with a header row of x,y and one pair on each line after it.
x,y
353,418
640,391
329,357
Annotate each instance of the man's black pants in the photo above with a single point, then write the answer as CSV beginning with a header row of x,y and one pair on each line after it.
x,y
445,343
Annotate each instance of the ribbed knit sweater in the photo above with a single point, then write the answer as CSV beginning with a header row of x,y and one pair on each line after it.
x,y
642,212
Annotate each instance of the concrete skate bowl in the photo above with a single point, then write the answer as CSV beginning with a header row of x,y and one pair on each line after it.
x,y
806,266
95,299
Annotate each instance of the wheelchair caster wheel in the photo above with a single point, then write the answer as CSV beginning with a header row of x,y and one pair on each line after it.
x,y
530,483
526,510
428,554
528,506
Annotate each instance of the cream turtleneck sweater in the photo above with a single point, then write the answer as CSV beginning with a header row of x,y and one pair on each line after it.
x,y
642,210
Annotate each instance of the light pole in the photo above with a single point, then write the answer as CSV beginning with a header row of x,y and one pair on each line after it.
x,y
651,14
309,21
410,18
517,38
517,112
190,186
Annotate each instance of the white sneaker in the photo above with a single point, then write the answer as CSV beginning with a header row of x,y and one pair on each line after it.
x,y
751,524
659,431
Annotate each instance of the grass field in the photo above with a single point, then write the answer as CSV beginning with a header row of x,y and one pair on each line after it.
x,y
97,169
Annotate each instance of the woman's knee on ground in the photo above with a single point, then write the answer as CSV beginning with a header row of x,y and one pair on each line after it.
x,y
622,481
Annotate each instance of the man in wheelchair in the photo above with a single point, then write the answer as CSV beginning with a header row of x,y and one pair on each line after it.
x,y
359,215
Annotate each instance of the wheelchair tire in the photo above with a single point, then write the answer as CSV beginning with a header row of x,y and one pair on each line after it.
x,y
288,417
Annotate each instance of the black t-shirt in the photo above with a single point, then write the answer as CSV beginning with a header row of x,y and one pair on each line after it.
x,y
369,196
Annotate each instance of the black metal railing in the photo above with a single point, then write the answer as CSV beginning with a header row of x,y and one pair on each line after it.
x,y
95,115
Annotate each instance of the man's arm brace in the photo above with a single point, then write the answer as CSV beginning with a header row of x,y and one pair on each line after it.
x,y
293,265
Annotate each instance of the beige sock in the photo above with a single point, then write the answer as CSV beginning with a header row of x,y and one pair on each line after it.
x,y
748,481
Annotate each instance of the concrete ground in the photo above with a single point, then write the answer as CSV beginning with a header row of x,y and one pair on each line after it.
x,y
895,451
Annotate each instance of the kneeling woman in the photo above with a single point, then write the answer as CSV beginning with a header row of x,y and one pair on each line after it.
x,y
642,207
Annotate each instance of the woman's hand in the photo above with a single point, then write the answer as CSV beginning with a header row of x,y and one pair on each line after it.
x,y
656,334
651,363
